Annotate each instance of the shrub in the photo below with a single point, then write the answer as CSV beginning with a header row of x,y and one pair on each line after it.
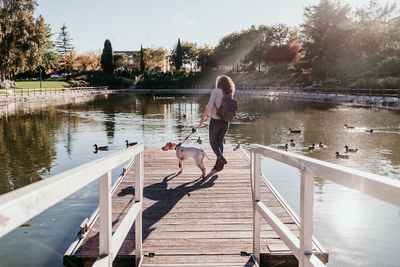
x,y
97,78
389,67
279,68
78,83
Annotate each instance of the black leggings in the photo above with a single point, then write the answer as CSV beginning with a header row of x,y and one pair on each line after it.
x,y
217,131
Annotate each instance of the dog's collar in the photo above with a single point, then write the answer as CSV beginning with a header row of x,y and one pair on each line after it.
x,y
178,145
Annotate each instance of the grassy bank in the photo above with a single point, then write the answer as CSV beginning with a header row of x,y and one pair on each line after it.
x,y
45,84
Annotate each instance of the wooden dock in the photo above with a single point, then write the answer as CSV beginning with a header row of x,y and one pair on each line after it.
x,y
188,221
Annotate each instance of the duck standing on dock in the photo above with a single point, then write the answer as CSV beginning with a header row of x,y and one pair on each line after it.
x,y
285,147
294,131
101,148
350,149
130,144
338,156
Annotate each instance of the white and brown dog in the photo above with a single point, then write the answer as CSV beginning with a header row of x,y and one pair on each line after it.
x,y
183,153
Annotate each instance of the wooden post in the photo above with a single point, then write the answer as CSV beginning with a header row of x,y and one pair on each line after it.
x,y
306,217
105,217
138,167
256,196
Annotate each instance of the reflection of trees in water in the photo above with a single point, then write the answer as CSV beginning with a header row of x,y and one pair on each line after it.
x,y
27,148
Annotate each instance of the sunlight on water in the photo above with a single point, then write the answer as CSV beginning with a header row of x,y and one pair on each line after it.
x,y
349,225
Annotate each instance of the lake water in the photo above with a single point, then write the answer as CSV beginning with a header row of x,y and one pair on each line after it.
x,y
357,230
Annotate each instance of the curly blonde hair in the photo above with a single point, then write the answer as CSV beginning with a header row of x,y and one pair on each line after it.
x,y
226,84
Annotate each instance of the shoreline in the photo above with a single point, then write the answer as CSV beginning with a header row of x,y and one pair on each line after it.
x,y
8,104
342,99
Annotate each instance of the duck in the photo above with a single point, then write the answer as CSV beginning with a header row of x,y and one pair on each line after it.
x,y
350,149
292,143
321,145
338,156
369,131
349,126
312,147
294,131
285,147
101,148
199,141
130,144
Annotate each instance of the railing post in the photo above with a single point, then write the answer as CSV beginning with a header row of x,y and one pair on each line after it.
x,y
105,217
306,217
139,170
256,197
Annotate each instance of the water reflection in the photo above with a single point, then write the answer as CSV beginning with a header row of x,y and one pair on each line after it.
x,y
52,140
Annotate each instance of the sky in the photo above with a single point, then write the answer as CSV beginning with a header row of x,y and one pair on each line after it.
x,y
159,23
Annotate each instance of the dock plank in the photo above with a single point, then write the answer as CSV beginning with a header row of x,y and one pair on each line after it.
x,y
188,220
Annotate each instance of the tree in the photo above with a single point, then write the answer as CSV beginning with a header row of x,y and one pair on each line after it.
x,y
282,54
154,58
326,31
106,61
120,61
372,29
49,56
177,56
63,44
22,37
205,58
142,65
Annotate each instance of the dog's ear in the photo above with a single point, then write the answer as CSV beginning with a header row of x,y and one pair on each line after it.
x,y
170,145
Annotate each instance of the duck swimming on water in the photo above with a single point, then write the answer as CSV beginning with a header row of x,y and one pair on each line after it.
x,y
130,144
312,147
349,127
338,156
101,148
369,131
294,131
285,147
350,149
292,143
321,145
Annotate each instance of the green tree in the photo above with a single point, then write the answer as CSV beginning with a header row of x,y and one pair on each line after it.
x,y
65,50
106,60
177,56
120,61
205,58
189,54
154,58
22,37
372,29
49,57
63,44
142,65
326,29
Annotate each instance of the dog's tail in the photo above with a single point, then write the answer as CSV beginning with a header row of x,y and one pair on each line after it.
x,y
204,153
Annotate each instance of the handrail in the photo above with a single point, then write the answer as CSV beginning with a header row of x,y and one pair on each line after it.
x,y
18,206
374,185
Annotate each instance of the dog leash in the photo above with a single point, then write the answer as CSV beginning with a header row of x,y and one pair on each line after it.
x,y
194,129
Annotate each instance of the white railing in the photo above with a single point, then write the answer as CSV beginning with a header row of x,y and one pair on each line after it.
x,y
376,186
16,207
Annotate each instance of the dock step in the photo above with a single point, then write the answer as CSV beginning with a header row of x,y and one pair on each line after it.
x,y
199,261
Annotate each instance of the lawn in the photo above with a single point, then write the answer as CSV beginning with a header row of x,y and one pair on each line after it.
x,y
45,84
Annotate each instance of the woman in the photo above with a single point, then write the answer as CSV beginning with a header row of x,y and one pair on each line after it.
x,y
218,127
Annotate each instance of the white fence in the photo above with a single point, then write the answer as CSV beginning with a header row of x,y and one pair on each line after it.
x,y
18,206
376,186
